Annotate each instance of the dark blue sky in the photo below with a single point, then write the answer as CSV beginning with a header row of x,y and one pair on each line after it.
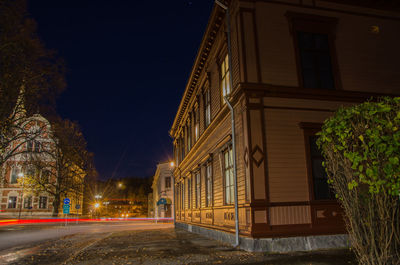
x,y
128,63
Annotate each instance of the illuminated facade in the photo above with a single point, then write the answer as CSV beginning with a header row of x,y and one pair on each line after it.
x,y
293,64
163,191
16,198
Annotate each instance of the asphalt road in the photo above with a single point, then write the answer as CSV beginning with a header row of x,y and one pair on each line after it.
x,y
16,241
12,236
137,243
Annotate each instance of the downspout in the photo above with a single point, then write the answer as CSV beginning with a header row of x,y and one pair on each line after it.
x,y
228,33
234,172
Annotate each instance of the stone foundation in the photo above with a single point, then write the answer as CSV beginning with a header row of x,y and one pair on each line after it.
x,y
273,245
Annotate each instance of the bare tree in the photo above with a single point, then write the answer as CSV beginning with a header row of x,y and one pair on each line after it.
x,y
24,61
16,131
25,66
61,166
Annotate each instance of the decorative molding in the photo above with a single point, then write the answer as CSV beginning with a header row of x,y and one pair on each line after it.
x,y
257,155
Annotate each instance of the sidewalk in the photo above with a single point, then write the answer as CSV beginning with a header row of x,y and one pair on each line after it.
x,y
167,246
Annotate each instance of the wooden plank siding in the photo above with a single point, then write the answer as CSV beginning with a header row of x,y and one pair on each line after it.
x,y
270,103
367,62
287,168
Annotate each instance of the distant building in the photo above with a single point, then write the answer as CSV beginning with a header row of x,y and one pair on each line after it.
x,y
163,191
121,208
16,199
120,198
293,64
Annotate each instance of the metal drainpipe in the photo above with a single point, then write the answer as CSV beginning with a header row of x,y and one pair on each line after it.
x,y
234,172
228,33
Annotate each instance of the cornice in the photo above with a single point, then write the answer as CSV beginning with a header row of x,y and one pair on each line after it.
x,y
213,26
270,90
189,161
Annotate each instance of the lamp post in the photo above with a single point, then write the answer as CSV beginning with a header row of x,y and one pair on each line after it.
x,y
21,175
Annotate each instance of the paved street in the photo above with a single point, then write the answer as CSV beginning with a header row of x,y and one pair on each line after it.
x,y
135,243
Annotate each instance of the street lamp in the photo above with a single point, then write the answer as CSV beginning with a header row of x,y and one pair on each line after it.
x,y
21,175
96,208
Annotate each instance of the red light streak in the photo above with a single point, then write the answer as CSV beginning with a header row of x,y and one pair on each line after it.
x,y
60,220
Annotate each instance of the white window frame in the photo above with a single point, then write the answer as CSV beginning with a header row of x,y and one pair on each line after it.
x,y
40,202
228,176
209,184
16,202
225,75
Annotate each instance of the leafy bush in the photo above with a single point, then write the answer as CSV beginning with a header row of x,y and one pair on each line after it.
x,y
361,146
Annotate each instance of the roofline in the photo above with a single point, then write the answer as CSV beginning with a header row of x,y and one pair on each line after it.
x,y
214,23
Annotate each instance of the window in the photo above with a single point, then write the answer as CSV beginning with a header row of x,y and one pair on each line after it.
x,y
42,202
198,189
224,71
189,136
29,146
318,181
176,152
321,189
37,146
228,176
207,108
209,184
32,145
189,190
182,148
14,175
28,202
178,196
12,202
313,38
196,124
315,60
183,196
167,182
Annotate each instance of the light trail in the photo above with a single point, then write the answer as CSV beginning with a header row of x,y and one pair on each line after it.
x,y
62,219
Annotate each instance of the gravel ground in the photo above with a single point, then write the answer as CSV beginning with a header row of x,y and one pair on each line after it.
x,y
161,246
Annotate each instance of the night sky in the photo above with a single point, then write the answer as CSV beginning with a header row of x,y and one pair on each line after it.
x,y
127,66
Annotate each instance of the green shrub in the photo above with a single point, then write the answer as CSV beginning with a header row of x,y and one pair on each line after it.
x,y
361,146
